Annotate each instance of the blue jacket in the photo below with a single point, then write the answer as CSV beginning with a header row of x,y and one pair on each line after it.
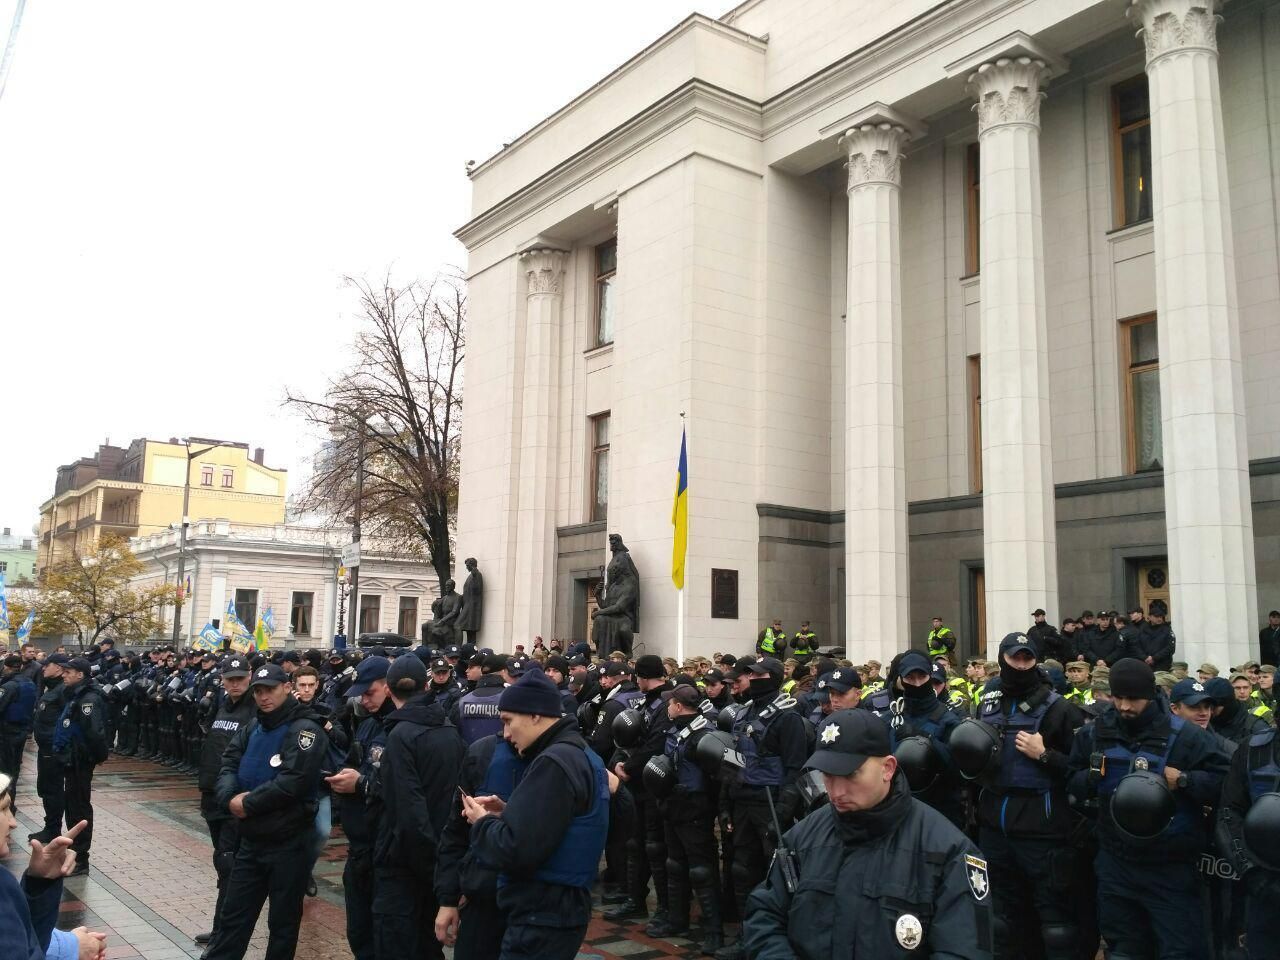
x,y
28,912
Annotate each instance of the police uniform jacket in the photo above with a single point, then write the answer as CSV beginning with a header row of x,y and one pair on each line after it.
x,y
359,815
1048,642
896,881
616,699
80,736
48,709
1236,723
418,779
229,720
283,803
1158,643
1105,645
656,724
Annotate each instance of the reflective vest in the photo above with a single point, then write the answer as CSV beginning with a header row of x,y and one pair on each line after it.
x,y
574,862
1264,772
772,640
478,716
1017,771
1079,696
935,645
688,773
255,763
802,643
1121,759
872,686
23,704
748,732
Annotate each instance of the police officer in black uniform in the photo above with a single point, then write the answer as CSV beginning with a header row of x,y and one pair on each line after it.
x,y
618,692
444,688
1025,822
233,709
547,837
49,772
875,873
1151,775
17,709
352,788
1231,718
475,714
773,742
80,744
269,781
557,671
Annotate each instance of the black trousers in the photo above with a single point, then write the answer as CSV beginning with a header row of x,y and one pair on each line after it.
x,y
527,942
50,784
357,890
481,928
263,871
691,844
404,916
224,831
1262,926
752,848
1033,895
78,785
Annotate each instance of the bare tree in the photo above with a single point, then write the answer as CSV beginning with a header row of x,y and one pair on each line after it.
x,y
405,385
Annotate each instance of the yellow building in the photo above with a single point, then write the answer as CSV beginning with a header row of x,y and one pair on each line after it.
x,y
136,491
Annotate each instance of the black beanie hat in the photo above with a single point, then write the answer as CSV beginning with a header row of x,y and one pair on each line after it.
x,y
649,667
1133,679
533,693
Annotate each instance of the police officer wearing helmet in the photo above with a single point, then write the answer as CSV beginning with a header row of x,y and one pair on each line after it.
x,y
270,782
687,805
547,837
1151,774
772,739
1249,835
875,873
1024,818
80,744
475,714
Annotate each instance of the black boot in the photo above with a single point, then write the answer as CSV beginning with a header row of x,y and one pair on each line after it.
x,y
734,950
633,908
627,910
676,921
712,928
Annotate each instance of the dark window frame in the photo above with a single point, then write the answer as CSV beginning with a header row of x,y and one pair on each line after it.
x,y
400,612
1132,370
597,509
364,607
1120,215
306,609
603,281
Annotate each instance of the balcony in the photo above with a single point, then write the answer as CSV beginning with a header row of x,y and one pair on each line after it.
x,y
64,527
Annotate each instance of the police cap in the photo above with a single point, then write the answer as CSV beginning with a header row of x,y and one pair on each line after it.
x,y
268,675
846,739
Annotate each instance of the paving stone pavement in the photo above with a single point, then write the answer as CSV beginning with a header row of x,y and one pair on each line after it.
x,y
151,885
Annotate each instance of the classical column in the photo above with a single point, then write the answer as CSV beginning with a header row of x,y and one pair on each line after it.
x,y
1018,537
1206,465
877,589
533,608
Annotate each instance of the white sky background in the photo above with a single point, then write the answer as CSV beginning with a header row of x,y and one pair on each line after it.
x,y
183,184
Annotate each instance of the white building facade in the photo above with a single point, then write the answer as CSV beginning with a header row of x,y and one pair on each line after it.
x,y
294,571
970,308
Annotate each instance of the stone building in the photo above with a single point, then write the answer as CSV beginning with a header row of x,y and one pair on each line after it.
x,y
971,308
292,569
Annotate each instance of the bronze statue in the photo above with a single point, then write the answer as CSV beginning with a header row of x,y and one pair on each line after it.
x,y
617,619
472,616
445,609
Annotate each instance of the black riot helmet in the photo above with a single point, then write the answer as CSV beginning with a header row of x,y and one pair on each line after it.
x,y
728,716
1262,830
711,750
588,714
975,748
660,776
919,762
628,728
1142,805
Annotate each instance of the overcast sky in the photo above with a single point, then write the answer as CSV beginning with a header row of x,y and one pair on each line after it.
x,y
184,184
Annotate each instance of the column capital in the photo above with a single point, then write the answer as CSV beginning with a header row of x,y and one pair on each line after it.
x,y
1008,91
1176,26
874,152
544,269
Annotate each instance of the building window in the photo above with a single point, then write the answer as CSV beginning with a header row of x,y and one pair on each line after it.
x,y
972,212
4,567
247,608
206,475
370,612
1142,394
407,622
975,424
1131,125
606,267
600,467
300,614
228,478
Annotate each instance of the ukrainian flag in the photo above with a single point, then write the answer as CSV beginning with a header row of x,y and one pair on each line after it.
x,y
680,517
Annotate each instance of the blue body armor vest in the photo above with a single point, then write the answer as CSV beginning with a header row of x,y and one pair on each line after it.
x,y
23,706
1016,770
255,763
1264,776
504,771
630,698
1122,760
748,732
688,774
68,729
478,717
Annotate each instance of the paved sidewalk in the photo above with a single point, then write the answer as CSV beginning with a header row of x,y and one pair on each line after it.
x,y
151,884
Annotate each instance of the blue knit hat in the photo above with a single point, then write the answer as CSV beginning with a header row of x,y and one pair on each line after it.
x,y
533,693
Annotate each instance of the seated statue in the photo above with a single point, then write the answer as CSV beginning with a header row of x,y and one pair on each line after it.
x,y
441,629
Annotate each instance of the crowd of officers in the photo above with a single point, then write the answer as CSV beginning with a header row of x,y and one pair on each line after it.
x,y
1033,806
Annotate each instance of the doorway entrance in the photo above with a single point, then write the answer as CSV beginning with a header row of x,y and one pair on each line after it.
x,y
1153,583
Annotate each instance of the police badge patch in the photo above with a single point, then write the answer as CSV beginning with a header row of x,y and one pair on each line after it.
x,y
908,931
375,755
976,870
305,739
86,709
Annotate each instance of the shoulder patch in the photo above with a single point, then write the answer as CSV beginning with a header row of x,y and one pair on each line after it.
x,y
976,872
87,709
306,739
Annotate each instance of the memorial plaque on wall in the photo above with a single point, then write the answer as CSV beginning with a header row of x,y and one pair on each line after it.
x,y
724,594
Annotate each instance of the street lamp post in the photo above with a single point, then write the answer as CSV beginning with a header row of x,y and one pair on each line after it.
x,y
353,612
182,538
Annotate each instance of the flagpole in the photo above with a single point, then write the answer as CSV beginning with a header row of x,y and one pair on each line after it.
x,y
684,429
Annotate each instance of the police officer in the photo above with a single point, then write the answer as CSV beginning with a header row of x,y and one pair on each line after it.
x,y
618,692
475,714
1231,717
804,644
772,641
1151,775
17,709
557,671
774,744
1249,835
941,640
416,785
233,709
546,838
352,787
688,816
49,772
80,744
444,688
1024,820
878,873
269,781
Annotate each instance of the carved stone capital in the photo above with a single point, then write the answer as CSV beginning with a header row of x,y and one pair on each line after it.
x,y
875,153
544,269
1008,91
1176,26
